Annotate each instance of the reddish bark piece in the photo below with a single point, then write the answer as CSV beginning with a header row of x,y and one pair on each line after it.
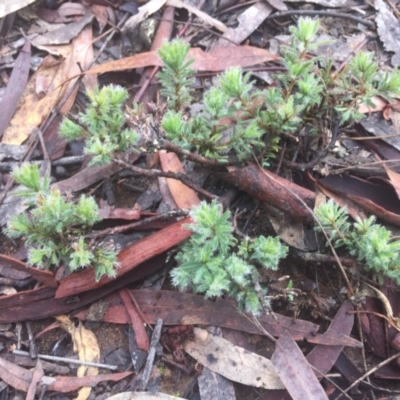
x,y
271,188
217,59
128,258
184,197
45,277
24,298
295,372
16,86
65,384
142,340
40,303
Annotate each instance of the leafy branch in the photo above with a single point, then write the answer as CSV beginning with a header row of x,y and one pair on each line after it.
x,y
55,227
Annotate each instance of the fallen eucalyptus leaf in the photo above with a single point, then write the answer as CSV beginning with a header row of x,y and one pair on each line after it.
x,y
232,362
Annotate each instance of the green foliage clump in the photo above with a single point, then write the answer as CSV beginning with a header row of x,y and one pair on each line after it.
x,y
102,125
175,76
309,91
54,228
205,132
369,242
215,263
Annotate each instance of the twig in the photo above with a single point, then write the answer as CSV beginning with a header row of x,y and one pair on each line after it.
x,y
152,353
322,13
138,309
360,332
32,345
355,138
8,166
370,372
167,145
124,228
155,173
316,371
67,360
320,154
181,367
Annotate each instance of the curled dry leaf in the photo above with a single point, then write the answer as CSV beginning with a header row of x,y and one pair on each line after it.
x,y
87,347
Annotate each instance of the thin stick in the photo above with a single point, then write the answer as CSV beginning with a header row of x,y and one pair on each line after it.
x,y
67,360
152,353
137,224
370,372
322,13
7,166
155,173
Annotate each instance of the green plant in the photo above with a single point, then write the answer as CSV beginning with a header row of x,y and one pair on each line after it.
x,y
175,76
102,125
55,226
309,91
205,132
237,120
370,243
215,263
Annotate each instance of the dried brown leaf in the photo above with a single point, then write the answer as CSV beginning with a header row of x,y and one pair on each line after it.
x,y
295,371
200,14
217,59
184,197
232,362
9,6
15,87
